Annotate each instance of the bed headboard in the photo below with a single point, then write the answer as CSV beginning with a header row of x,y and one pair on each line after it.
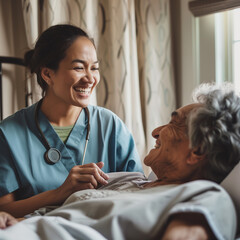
x,y
7,60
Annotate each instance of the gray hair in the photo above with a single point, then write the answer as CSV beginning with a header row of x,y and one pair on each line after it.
x,y
214,128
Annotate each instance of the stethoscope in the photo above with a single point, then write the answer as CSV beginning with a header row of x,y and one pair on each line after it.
x,y
53,155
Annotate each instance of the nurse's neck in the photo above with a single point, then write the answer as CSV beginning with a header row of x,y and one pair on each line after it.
x,y
59,113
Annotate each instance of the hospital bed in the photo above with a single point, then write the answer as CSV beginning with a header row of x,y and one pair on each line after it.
x,y
110,214
64,220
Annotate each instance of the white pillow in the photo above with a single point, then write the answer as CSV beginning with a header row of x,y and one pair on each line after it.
x,y
231,184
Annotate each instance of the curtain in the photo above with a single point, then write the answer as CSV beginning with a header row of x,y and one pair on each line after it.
x,y
134,49
33,29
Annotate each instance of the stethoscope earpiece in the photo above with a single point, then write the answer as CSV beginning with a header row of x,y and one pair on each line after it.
x,y
52,156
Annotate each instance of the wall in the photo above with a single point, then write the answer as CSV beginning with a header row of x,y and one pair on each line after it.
x,y
193,49
12,43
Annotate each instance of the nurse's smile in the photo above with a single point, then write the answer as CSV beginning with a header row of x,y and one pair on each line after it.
x,y
83,92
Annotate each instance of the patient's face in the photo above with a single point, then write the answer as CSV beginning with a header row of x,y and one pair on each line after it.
x,y
168,159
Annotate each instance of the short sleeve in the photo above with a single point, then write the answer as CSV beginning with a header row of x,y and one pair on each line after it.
x,y
8,178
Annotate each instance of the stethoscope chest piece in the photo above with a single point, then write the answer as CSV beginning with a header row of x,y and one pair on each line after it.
x,y
52,156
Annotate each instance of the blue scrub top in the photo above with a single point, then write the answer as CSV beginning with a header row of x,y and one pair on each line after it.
x,y
22,164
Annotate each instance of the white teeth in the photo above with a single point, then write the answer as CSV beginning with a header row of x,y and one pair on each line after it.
x,y
157,145
83,90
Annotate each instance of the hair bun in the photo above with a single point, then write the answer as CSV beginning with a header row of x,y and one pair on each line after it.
x,y
28,59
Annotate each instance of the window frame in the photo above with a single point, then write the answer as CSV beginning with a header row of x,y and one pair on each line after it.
x,y
204,7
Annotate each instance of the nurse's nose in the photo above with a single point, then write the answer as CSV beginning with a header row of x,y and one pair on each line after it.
x,y
89,76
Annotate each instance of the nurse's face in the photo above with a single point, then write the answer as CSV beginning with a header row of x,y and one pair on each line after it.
x,y
171,155
77,75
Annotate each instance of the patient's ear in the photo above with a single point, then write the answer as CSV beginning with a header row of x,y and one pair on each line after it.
x,y
195,156
46,75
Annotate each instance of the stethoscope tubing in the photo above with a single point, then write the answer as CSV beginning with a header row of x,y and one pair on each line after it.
x,y
53,155
87,136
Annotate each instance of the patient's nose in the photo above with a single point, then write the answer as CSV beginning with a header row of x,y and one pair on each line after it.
x,y
156,131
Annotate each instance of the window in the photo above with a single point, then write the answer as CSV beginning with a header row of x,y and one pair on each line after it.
x,y
218,47
236,47
223,46
211,16
227,47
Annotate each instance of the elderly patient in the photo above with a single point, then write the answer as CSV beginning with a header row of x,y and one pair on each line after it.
x,y
201,142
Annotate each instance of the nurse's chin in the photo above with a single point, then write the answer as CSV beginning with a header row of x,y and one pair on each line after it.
x,y
82,103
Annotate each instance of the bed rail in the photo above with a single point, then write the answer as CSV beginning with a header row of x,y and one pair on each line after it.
x,y
7,60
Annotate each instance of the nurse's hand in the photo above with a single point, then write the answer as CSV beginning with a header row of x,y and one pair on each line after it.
x,y
81,177
6,220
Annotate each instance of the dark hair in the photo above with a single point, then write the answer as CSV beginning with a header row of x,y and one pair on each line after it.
x,y
51,48
215,128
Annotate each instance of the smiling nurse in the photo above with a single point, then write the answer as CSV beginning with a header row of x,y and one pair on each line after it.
x,y
45,152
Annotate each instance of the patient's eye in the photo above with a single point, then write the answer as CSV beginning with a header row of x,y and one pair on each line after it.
x,y
174,114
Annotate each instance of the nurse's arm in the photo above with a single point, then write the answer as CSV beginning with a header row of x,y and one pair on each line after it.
x,y
20,208
80,177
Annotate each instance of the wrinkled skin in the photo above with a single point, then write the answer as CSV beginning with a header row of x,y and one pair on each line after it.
x,y
172,160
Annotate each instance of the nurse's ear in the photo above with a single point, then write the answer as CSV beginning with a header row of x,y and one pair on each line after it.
x,y
46,74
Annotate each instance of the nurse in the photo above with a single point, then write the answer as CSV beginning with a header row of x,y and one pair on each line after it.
x,y
45,152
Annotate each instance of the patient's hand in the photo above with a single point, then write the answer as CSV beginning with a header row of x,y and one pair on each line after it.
x,y
178,230
188,226
6,220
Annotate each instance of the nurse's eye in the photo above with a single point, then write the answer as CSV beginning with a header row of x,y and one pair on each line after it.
x,y
95,68
78,68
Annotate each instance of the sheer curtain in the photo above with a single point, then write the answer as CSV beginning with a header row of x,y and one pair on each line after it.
x,y
134,48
